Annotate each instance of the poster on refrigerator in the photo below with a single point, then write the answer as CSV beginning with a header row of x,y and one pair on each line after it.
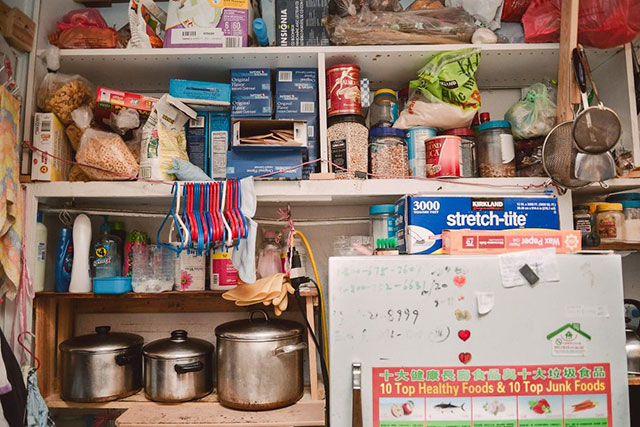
x,y
573,395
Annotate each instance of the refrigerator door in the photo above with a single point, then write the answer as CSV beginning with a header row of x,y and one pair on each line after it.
x,y
549,354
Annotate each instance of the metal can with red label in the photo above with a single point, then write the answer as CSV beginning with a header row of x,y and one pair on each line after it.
x,y
449,156
343,90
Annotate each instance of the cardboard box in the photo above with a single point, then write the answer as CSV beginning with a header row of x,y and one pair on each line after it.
x,y
49,136
297,80
251,104
205,23
421,219
498,242
251,127
197,134
312,132
242,164
299,22
219,128
297,103
110,100
251,80
194,92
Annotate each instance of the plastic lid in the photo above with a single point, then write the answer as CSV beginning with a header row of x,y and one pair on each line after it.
x,y
386,131
382,209
630,204
39,217
494,124
593,206
178,346
105,227
382,92
259,328
485,117
459,132
618,197
117,225
356,66
102,341
609,207
346,118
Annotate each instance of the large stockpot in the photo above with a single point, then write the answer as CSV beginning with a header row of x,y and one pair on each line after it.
x,y
259,363
101,367
178,368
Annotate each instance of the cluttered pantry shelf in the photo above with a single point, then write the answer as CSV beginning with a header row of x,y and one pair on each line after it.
x,y
159,295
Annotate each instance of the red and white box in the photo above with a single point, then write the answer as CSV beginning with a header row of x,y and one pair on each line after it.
x,y
502,241
109,101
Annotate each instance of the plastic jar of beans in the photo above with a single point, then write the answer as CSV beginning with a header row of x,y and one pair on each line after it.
x,y
348,142
387,153
496,151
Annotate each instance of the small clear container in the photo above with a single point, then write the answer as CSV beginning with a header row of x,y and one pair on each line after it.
x,y
496,150
388,153
383,222
631,209
152,269
384,109
610,222
582,219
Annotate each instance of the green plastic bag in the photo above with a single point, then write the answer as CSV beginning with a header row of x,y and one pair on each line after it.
x,y
535,114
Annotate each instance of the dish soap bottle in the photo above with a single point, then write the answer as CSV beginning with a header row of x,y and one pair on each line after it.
x,y
41,256
107,259
269,262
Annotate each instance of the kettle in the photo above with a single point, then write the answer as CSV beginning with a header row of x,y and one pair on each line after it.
x,y
633,344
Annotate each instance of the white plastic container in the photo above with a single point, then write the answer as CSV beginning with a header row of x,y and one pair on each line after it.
x,y
41,255
80,279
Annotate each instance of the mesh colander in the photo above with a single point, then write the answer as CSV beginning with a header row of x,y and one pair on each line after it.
x,y
558,157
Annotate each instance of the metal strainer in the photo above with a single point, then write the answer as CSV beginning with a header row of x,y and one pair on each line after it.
x,y
559,155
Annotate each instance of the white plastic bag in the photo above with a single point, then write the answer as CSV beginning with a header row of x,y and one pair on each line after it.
x,y
487,12
535,114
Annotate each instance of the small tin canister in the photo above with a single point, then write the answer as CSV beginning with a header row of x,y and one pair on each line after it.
x,y
449,156
416,138
343,90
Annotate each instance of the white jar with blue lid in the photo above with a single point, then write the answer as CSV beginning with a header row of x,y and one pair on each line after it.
x,y
383,222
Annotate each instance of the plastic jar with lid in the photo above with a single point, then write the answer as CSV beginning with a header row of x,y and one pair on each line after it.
x,y
631,210
383,222
387,153
468,162
496,150
347,136
620,197
610,222
384,109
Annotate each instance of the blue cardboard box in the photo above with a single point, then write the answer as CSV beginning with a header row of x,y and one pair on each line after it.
x,y
197,133
297,103
251,80
421,219
296,80
192,91
241,164
251,104
312,131
219,142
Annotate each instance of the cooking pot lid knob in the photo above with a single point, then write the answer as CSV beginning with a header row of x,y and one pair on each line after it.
x,y
103,329
178,335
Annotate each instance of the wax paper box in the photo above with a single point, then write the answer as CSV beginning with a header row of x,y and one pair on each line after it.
x,y
421,219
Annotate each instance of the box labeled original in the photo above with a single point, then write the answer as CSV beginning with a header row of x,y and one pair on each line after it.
x,y
251,80
421,219
503,241
296,103
277,164
255,105
296,80
49,136
299,22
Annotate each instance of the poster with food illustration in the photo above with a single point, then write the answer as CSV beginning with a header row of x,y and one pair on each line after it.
x,y
585,409
402,412
449,411
495,411
540,411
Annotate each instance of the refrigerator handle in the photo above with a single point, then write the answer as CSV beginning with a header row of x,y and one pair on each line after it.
x,y
356,410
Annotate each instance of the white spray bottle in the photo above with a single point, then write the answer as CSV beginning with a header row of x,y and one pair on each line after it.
x,y
80,280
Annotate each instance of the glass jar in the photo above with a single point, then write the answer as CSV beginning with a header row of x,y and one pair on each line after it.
x,y
610,222
631,210
387,153
496,151
347,136
384,109
383,222
468,162
582,219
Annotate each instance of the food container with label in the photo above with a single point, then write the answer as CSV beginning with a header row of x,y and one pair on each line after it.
x,y
387,153
582,219
610,222
343,90
416,152
348,137
631,209
496,151
383,222
384,110
467,152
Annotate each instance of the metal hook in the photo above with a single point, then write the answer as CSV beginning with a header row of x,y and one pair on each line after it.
x,y
24,347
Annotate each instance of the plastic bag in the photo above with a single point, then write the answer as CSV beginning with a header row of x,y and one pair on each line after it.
x,y
146,23
62,93
85,38
446,95
601,23
535,114
487,12
124,120
345,8
512,10
87,17
187,171
429,26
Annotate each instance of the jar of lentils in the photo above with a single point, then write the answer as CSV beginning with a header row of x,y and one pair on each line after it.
x,y
387,153
496,150
347,137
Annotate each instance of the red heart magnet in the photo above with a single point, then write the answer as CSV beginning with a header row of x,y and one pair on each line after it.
x,y
464,334
459,281
465,357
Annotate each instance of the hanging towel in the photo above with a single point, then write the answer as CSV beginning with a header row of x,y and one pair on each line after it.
x,y
37,410
14,403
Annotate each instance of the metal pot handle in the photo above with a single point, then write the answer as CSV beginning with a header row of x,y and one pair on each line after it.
x,y
264,313
123,359
189,367
289,348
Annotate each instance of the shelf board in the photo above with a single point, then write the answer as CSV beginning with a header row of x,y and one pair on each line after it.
x,y
634,381
611,186
616,246
306,292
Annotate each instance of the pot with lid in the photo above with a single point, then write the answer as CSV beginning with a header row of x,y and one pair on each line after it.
x,y
178,368
259,363
101,367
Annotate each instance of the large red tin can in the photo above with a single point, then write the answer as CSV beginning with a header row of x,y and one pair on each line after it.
x,y
343,90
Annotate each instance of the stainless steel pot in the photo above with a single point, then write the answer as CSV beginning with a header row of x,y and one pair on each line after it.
x,y
633,344
101,367
260,363
178,369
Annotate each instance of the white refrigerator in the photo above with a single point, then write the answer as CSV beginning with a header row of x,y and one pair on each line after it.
x,y
458,341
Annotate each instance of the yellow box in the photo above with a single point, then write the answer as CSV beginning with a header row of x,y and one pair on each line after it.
x,y
49,136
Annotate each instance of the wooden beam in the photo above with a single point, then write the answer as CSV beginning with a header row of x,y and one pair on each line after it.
x,y
45,345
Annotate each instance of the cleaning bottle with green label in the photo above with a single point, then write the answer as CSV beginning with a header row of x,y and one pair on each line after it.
x,y
107,258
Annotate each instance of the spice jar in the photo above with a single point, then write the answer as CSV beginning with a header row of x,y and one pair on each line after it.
x,y
387,153
347,136
610,222
468,163
582,219
496,151
383,222
384,110
631,210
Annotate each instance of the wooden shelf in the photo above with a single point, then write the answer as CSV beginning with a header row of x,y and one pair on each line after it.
x,y
616,246
634,381
306,292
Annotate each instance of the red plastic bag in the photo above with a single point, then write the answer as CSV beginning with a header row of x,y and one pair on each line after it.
x,y
601,23
514,9
83,29
82,18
